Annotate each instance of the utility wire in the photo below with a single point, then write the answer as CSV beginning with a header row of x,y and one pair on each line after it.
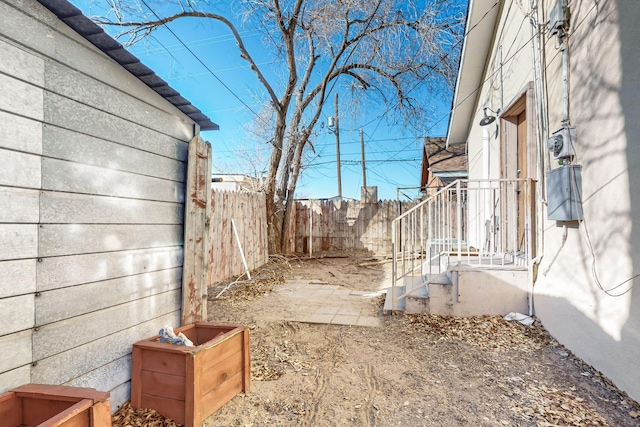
x,y
359,162
452,49
507,60
335,81
472,93
466,34
200,60
197,43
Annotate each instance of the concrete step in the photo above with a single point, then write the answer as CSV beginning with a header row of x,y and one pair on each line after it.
x,y
440,279
391,308
417,288
417,292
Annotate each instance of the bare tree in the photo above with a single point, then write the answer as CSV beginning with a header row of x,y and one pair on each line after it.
x,y
380,50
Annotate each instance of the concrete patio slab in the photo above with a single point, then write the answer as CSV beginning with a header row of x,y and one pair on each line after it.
x,y
309,301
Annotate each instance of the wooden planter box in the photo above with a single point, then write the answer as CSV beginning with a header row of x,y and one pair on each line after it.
x,y
42,405
187,384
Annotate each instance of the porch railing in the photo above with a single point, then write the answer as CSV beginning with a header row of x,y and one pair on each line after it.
x,y
476,222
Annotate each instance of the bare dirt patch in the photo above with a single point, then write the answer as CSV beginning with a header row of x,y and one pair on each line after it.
x,y
411,371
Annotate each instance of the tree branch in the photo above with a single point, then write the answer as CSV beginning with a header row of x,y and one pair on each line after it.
x,y
148,26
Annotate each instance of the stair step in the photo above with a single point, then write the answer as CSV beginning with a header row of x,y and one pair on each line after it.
x,y
417,290
399,306
440,279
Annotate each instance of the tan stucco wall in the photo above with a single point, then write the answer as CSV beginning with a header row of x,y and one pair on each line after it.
x,y
603,330
605,88
496,292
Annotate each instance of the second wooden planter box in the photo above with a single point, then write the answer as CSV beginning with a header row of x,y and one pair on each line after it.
x,y
46,405
187,384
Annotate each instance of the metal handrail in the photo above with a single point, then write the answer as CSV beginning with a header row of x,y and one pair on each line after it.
x,y
474,220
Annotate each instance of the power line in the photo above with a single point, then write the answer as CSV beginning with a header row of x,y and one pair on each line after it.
x,y
384,178
359,162
222,70
489,77
507,60
323,146
464,37
197,43
198,59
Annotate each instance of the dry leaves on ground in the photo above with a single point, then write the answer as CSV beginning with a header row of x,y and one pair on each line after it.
x,y
552,407
129,417
538,404
262,282
490,332
271,356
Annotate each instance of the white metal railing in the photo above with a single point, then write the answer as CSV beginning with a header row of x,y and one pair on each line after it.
x,y
476,222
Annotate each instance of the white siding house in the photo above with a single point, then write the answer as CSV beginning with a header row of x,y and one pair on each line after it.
x,y
93,158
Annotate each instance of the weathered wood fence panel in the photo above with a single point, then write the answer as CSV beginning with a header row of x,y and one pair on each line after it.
x,y
196,232
327,225
249,213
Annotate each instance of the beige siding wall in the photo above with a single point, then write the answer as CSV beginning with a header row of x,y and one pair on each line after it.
x,y
22,80
604,90
92,171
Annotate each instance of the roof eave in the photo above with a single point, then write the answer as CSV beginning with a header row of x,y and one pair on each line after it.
x,y
481,22
76,20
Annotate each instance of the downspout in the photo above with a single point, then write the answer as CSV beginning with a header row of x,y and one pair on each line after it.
x,y
486,163
541,136
486,155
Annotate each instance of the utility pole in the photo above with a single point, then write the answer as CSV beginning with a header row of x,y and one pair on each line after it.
x,y
337,132
364,167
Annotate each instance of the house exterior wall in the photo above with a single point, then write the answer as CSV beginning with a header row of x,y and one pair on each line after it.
x,y
605,87
92,176
507,73
604,78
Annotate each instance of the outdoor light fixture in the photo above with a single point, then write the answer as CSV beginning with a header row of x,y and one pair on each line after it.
x,y
487,119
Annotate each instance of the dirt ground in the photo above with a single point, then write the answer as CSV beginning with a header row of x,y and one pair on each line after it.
x,y
410,371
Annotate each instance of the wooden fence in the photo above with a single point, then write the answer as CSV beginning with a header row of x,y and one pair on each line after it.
x,y
326,225
249,214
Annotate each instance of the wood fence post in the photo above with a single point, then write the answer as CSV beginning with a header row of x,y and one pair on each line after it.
x,y
197,220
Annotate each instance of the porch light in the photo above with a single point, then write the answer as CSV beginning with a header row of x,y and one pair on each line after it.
x,y
487,119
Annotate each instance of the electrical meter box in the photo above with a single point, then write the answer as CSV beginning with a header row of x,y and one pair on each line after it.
x,y
564,193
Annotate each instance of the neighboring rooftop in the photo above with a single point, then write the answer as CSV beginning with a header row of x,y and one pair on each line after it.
x,y
74,18
439,161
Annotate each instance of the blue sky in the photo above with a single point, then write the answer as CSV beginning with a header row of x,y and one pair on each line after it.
x,y
393,154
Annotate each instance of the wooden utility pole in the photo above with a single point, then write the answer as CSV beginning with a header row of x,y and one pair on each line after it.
x,y
364,167
337,132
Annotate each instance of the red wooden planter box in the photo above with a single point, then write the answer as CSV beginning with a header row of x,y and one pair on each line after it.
x,y
187,384
43,405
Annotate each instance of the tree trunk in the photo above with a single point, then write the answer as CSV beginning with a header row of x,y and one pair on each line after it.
x,y
291,188
273,225
283,181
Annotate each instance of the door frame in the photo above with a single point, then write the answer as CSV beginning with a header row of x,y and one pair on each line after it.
x,y
523,102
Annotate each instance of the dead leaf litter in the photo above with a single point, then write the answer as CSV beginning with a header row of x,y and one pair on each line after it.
x,y
414,370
